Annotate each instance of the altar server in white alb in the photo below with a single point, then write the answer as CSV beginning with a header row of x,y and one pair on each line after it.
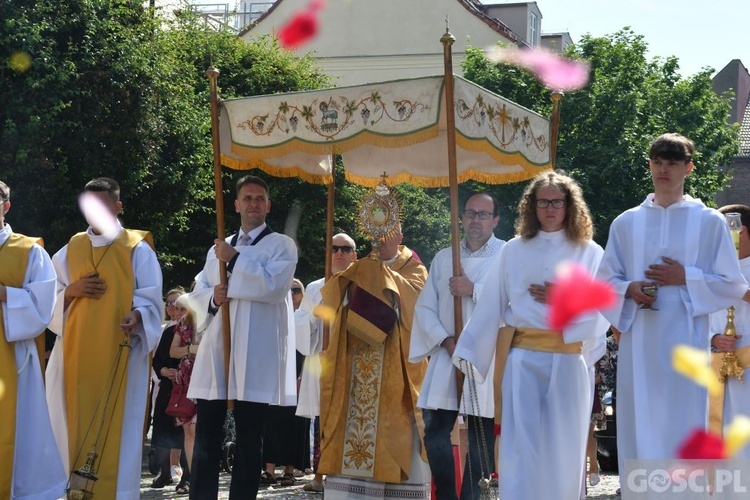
x,y
736,396
544,375
684,247
31,463
109,287
261,370
433,337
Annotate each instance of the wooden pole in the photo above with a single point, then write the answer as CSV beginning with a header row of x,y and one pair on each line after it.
x,y
554,126
447,40
213,75
329,238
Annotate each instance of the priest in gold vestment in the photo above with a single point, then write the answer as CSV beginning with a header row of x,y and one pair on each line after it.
x,y
109,288
371,429
30,465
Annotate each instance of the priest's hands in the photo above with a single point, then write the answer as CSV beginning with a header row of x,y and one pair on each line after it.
x,y
90,286
460,286
669,273
449,344
724,343
220,295
634,292
539,292
224,251
130,322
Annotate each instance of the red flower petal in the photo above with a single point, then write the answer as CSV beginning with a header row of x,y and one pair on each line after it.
x,y
576,292
302,27
702,444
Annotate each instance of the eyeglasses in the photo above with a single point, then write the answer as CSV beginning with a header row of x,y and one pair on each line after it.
x,y
170,302
344,249
296,291
545,203
471,215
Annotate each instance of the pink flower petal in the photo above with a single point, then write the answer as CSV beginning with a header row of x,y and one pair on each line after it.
x,y
574,293
302,27
555,71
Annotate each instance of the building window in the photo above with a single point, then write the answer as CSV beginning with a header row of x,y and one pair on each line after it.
x,y
533,30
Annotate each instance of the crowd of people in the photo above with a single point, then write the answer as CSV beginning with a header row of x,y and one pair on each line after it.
x,y
366,378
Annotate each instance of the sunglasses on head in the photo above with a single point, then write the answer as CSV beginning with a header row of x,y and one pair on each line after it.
x,y
344,249
296,291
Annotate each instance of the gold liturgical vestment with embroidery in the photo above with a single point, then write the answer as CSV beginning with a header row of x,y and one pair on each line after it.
x,y
368,389
91,342
14,258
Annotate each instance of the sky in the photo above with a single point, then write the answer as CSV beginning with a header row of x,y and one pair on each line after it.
x,y
699,33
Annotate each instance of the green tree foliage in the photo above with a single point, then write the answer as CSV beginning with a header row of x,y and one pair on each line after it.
x,y
114,90
606,128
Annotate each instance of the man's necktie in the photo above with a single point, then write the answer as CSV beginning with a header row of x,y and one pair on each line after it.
x,y
243,240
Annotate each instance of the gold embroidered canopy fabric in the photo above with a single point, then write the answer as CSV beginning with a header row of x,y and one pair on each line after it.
x,y
397,128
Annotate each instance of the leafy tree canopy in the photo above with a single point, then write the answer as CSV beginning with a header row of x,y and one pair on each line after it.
x,y
606,128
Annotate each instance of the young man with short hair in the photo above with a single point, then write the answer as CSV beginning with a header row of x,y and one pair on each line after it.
x,y
108,288
675,242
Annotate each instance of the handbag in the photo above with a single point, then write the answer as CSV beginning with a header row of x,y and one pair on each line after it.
x,y
179,404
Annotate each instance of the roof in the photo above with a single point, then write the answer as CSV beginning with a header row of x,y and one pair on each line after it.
x,y
745,132
493,23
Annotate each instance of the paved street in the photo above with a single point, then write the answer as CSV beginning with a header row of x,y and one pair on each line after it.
x,y
605,490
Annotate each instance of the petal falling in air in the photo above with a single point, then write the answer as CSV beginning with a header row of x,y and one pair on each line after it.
x,y
302,27
576,292
702,445
737,434
695,364
554,70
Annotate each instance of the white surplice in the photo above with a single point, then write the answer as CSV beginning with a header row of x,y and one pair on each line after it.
x,y
433,323
737,394
38,472
262,368
657,407
546,396
148,300
309,332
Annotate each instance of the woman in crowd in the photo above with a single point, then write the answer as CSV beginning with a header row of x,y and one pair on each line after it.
x,y
286,439
184,347
546,383
166,438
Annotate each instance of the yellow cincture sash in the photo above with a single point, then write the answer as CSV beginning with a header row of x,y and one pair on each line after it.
x,y
91,341
14,258
716,403
531,339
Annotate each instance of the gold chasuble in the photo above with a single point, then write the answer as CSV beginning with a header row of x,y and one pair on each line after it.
x,y
91,340
368,389
14,258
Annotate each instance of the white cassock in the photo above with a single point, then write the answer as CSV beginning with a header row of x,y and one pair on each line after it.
x,y
38,472
262,368
146,299
546,396
433,322
309,332
657,407
737,394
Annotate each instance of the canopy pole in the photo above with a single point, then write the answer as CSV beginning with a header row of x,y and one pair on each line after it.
x,y
329,238
213,75
447,40
557,97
